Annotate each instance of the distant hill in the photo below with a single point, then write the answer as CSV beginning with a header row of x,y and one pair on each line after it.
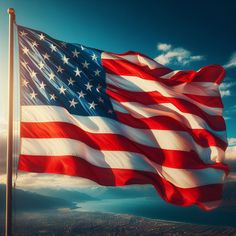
x,y
130,191
100,192
28,201
69,195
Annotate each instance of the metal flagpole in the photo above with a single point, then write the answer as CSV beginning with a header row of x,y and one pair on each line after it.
x,y
8,226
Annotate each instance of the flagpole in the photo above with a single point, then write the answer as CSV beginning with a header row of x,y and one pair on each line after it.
x,y
8,226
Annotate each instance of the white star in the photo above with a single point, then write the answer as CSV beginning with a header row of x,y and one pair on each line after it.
x,y
81,94
65,59
25,83
94,57
92,105
35,44
97,72
42,85
82,48
33,74
46,56
110,111
53,97
101,100
53,48
62,90
33,95
24,63
85,64
71,81
51,76
73,103
41,65
25,50
89,86
60,69
77,72
23,33
75,53
42,36
98,88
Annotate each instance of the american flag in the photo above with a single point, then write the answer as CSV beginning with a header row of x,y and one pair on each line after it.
x,y
121,119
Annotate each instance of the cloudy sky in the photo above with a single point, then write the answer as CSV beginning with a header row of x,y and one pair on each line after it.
x,y
178,34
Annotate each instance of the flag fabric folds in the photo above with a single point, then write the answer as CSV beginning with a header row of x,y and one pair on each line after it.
x,y
121,119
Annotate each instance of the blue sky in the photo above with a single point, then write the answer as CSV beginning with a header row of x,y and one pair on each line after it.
x,y
195,34
179,34
199,33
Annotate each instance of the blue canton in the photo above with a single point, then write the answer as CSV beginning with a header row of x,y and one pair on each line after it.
x,y
56,73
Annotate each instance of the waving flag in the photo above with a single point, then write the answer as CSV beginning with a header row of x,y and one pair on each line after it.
x,y
121,119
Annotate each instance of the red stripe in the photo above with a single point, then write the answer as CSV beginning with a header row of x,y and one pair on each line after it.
x,y
159,70
210,73
75,166
149,98
153,97
132,53
212,101
123,67
183,76
115,142
201,136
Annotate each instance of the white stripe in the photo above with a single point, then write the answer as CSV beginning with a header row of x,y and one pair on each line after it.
x,y
209,110
189,120
183,178
137,84
169,75
203,84
165,139
167,106
171,93
135,58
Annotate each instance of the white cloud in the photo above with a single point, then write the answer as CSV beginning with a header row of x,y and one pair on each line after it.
x,y
231,177
230,154
227,118
225,88
163,46
197,58
232,141
32,181
230,112
225,93
175,55
232,62
225,85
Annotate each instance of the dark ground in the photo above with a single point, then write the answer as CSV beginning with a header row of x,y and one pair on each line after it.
x,y
64,222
